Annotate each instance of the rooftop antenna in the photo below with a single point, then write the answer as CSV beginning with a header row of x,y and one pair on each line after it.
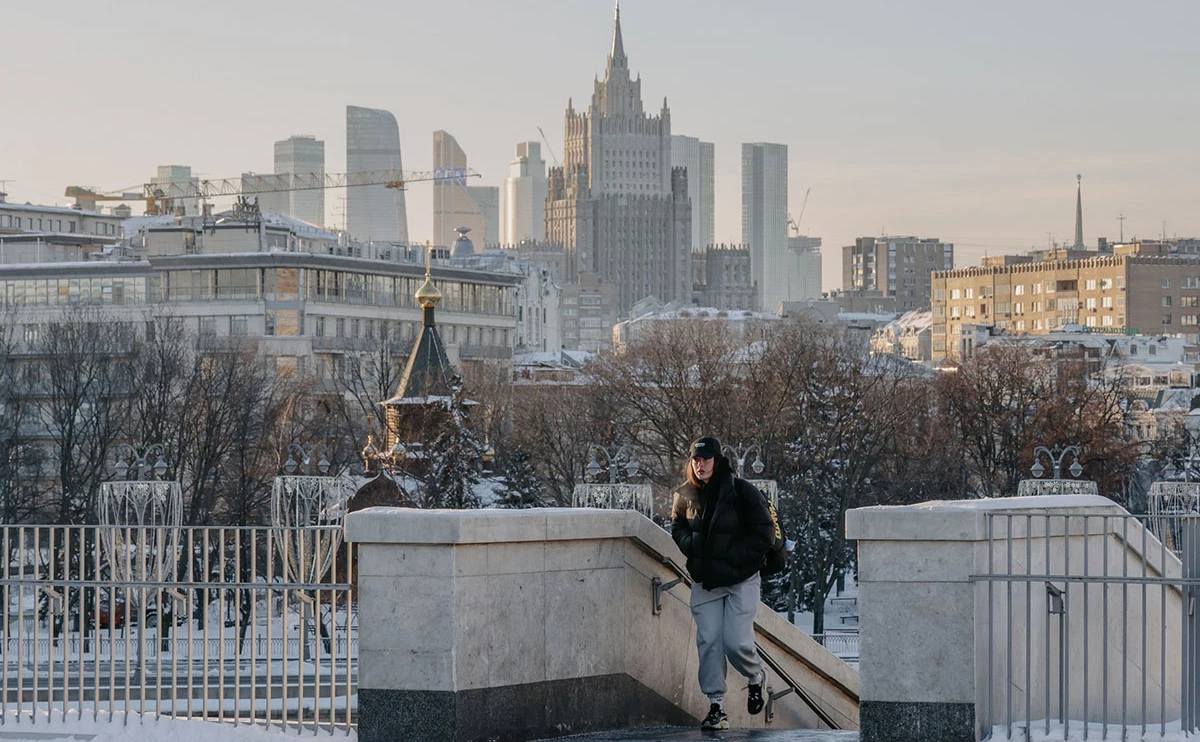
x,y
1121,219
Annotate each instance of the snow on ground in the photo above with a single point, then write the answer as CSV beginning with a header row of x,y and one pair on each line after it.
x,y
1094,731
139,729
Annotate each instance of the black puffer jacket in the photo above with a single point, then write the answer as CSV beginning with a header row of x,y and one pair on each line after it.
x,y
724,529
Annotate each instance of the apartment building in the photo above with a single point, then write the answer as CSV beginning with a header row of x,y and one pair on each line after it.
x,y
1142,288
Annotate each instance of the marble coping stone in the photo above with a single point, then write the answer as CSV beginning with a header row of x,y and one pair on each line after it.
x,y
961,520
450,527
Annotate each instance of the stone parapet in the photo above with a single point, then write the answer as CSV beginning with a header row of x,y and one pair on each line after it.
x,y
526,624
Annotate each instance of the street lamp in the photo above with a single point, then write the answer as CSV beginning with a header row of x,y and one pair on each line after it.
x,y
614,494
614,459
306,517
741,455
1056,484
141,515
1056,456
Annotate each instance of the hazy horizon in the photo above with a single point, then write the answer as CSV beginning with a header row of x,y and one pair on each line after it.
x,y
939,119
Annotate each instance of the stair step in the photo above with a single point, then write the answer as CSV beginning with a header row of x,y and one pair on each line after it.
x,y
685,734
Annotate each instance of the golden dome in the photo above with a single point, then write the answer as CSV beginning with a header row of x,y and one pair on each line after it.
x,y
428,295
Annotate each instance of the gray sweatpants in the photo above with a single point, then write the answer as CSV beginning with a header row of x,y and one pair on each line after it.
x,y
725,628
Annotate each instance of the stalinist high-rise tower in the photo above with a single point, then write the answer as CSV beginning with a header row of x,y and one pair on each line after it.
x,y
616,204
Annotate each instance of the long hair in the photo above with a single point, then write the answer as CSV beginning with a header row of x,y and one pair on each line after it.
x,y
689,473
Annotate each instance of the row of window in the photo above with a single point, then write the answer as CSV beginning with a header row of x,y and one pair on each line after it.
x,y
51,291
46,224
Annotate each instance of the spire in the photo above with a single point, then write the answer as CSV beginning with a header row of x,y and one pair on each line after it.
x,y
1079,212
616,57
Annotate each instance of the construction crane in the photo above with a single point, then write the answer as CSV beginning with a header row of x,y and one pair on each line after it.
x,y
159,196
548,149
795,223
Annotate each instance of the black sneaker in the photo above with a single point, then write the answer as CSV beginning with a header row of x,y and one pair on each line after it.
x,y
716,718
754,701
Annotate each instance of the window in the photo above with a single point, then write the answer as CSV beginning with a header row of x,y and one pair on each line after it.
x,y
318,327
1107,320
955,294
339,327
1090,284
1167,299
1166,282
1189,301
1019,289
1166,319
238,326
269,322
1120,282
1090,302
1018,308
1132,349
1090,321
971,293
1189,320
1106,302
1106,283
1153,349
208,326
1035,306
1037,288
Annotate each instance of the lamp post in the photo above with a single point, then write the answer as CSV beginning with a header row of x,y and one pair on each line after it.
x,y
621,464
1056,484
141,515
616,459
1172,503
307,509
740,455
1056,456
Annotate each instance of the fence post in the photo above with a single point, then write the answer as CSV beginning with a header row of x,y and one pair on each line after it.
x,y
1190,690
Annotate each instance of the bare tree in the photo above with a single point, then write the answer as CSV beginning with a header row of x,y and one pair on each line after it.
x,y
22,460
86,378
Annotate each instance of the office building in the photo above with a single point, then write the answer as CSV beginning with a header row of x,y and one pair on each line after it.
x,y
616,205
453,206
487,201
176,184
764,219
896,266
804,267
700,160
525,196
305,154
1150,288
374,213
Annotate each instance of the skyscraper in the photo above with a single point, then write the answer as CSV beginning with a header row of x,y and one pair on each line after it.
x,y
616,205
302,153
764,219
453,206
700,159
525,196
487,201
804,268
374,213
175,181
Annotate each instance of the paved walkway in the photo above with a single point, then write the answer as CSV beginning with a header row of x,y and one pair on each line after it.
x,y
685,734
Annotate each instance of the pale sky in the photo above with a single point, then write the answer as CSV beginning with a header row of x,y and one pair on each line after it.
x,y
960,120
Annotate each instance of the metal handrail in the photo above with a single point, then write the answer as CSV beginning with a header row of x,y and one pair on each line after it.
x,y
682,577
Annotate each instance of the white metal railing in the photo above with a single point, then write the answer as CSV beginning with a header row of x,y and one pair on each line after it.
x,y
214,631
1091,628
842,645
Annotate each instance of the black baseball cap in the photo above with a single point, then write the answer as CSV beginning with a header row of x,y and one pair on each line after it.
x,y
706,448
